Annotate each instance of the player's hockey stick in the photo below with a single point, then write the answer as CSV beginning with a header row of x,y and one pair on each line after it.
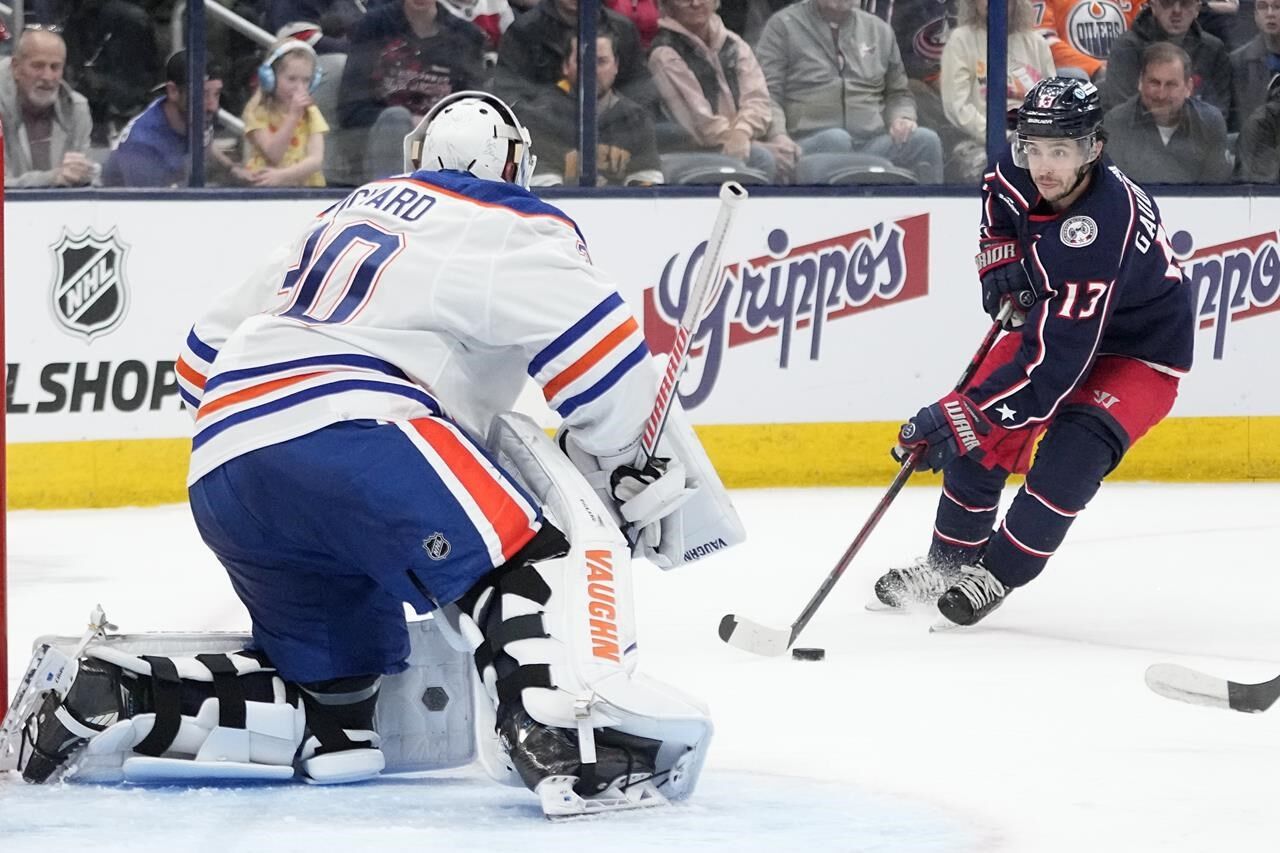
x,y
761,640
702,295
1198,688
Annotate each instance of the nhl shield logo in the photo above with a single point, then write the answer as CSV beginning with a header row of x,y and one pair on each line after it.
x,y
89,293
436,546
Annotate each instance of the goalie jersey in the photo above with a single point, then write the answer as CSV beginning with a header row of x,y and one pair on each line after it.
x,y
434,293
1109,282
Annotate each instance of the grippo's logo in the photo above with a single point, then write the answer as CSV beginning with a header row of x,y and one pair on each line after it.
x,y
1232,281
789,289
88,291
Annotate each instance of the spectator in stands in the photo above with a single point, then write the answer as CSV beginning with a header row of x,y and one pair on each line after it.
x,y
964,77
747,17
1255,64
713,89
835,73
531,54
283,129
1217,17
922,28
1162,135
1172,21
46,123
405,56
1260,140
491,17
113,59
335,18
643,13
152,151
1082,33
626,152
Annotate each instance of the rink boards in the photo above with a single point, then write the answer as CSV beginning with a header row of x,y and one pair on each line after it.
x,y
839,317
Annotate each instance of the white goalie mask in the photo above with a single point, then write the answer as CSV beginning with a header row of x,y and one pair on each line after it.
x,y
472,132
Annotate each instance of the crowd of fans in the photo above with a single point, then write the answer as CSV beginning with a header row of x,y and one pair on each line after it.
x,y
769,91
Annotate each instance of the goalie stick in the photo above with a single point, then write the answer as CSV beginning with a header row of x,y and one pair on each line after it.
x,y
753,637
1198,688
703,293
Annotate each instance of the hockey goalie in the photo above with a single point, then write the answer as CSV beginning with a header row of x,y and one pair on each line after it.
x,y
355,451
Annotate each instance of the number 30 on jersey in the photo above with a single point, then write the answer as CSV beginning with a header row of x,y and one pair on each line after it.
x,y
332,282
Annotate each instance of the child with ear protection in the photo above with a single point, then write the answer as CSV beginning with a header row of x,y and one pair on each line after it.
x,y
283,126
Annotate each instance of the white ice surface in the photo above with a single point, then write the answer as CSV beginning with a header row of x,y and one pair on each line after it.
x,y
1033,732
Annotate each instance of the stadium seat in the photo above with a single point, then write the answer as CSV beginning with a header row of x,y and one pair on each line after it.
x,y
849,168
709,168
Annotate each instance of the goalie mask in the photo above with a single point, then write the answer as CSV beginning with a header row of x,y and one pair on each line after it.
x,y
472,132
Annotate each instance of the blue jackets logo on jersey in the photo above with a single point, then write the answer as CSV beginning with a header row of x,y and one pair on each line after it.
x,y
790,288
1079,231
89,296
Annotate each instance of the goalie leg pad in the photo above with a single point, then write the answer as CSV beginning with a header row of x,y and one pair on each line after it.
x,y
558,647
143,718
343,746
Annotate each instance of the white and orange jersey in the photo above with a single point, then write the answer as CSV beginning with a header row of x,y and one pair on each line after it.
x,y
1082,32
435,293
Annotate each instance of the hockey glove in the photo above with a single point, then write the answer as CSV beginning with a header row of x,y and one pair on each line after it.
x,y
647,495
952,427
1004,277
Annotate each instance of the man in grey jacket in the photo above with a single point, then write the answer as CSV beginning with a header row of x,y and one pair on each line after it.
x,y
1172,21
835,75
1255,64
46,123
1162,135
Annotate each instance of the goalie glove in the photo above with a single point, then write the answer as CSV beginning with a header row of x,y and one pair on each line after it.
x,y
647,495
1004,278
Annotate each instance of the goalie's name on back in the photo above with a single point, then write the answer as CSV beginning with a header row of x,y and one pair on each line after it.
x,y
398,198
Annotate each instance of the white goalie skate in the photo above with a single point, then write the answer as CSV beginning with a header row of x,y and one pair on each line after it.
x,y
50,669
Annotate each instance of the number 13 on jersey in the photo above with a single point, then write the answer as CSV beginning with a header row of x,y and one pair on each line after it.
x,y
1080,300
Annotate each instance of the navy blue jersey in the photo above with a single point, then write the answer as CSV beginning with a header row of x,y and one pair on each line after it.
x,y
1109,282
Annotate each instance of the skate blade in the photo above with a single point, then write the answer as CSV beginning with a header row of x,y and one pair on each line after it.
x,y
875,605
560,802
946,626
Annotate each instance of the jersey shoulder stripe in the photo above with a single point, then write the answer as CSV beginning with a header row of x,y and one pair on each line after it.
x,y
574,333
589,357
466,187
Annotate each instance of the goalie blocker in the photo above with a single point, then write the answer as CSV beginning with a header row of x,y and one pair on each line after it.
x,y
558,705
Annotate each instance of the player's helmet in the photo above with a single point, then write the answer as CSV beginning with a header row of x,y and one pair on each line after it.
x,y
473,132
1059,108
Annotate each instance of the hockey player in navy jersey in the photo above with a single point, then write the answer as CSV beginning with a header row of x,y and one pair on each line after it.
x,y
354,451
1101,332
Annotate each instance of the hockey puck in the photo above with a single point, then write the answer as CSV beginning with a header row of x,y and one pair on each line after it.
x,y
808,654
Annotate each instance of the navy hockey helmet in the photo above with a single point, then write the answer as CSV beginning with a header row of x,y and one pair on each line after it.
x,y
1060,108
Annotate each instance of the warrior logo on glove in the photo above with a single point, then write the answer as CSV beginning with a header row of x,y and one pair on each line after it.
x,y
953,426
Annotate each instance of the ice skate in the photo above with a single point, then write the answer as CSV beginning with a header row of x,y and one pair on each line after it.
x,y
919,583
972,597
